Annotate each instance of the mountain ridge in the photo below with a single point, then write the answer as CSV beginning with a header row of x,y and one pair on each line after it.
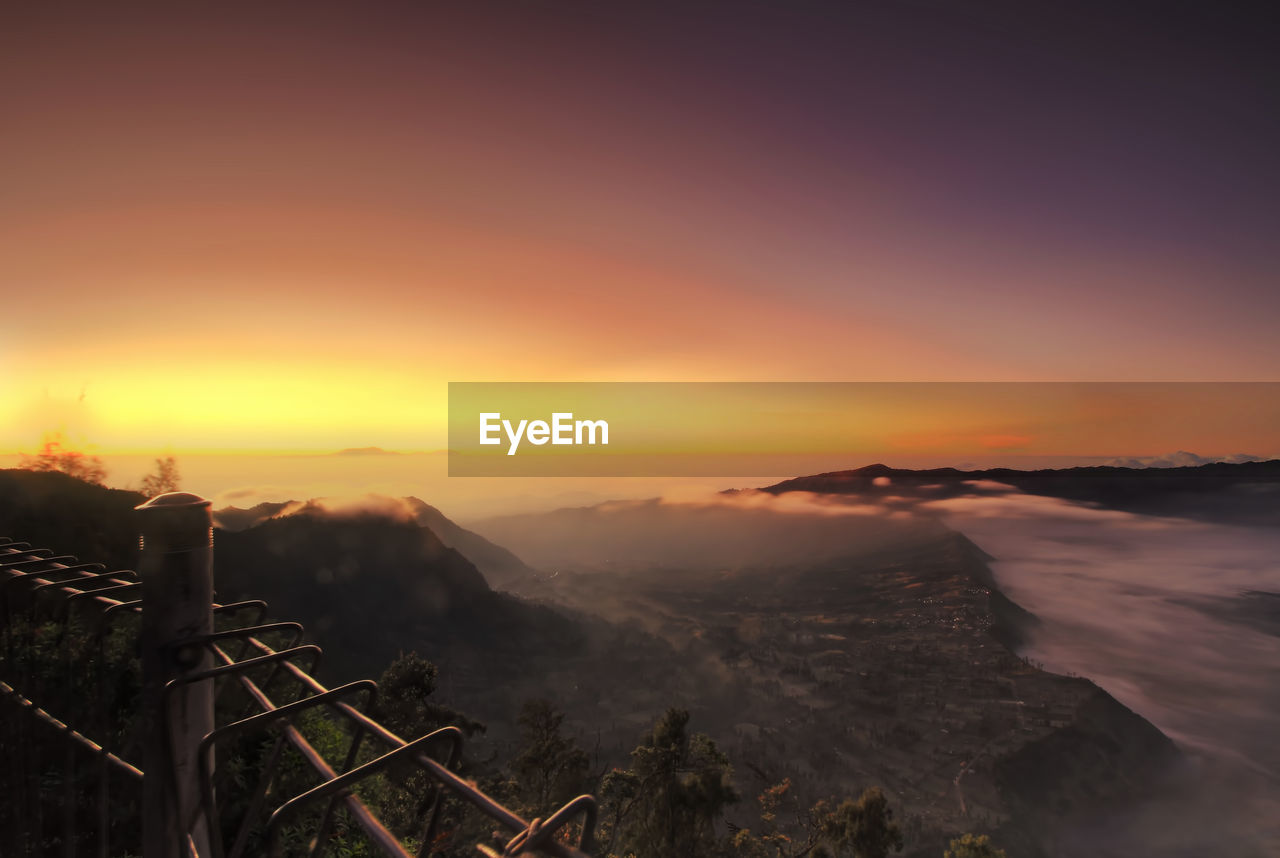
x,y
500,567
1245,492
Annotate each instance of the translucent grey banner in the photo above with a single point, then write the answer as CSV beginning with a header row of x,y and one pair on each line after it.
x,y
726,429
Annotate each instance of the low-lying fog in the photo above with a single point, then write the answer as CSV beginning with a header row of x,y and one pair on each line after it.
x,y
1176,618
693,533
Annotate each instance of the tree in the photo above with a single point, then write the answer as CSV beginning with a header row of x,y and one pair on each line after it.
x,y
862,828
165,478
669,800
802,836
54,456
788,845
549,768
405,707
619,790
404,703
971,846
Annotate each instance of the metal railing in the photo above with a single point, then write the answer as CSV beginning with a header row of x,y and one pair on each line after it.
x,y
133,667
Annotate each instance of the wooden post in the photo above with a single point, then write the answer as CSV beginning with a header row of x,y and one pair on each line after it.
x,y
176,569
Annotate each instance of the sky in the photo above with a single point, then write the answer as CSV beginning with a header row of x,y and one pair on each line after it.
x,y
286,227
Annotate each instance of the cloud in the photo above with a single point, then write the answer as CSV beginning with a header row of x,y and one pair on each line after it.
x,y
787,503
1018,506
352,506
990,486
340,506
1153,609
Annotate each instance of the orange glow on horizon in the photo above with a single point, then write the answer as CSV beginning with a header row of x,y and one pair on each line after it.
x,y
298,250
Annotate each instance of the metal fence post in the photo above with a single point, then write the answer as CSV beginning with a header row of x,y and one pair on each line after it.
x,y
176,568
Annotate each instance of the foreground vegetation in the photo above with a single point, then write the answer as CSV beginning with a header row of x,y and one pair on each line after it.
x,y
669,800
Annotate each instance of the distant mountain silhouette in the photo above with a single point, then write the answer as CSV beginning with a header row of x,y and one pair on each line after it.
x,y
237,518
1238,493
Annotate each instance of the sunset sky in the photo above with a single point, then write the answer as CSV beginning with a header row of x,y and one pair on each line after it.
x,y
278,227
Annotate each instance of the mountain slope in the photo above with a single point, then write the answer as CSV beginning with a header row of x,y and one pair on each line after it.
x,y
1246,493
500,567
368,586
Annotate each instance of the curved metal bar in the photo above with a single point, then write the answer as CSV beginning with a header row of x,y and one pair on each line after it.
x,y
16,577
359,720
78,582
101,592
465,791
30,553
236,607
113,611
123,576
249,632
362,815
8,691
536,836
204,675
242,666
262,719
340,783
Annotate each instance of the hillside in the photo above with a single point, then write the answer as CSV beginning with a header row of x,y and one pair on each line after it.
x,y
1247,493
368,587
72,517
501,568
